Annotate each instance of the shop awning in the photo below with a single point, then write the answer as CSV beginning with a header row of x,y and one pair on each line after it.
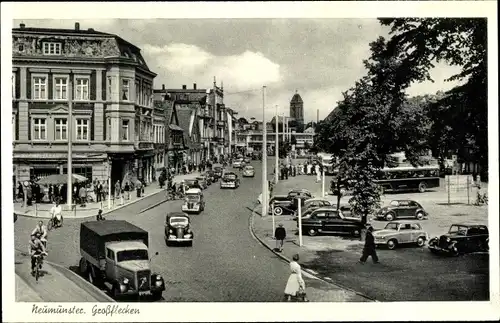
x,y
175,127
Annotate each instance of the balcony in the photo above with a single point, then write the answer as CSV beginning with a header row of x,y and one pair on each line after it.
x,y
144,145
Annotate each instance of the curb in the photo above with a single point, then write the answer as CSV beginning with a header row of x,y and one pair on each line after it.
x,y
251,226
80,282
89,216
152,206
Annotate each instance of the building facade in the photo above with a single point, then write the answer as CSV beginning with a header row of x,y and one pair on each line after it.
x,y
115,129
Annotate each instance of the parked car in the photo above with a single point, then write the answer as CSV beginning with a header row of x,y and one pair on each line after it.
x,y
461,238
248,171
218,170
202,181
230,180
399,233
398,209
247,160
212,178
311,205
287,204
237,162
178,229
194,201
329,220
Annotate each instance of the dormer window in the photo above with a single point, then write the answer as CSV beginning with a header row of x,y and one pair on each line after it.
x,y
52,48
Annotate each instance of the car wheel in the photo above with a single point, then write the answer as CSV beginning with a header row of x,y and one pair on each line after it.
x,y
190,243
90,276
312,232
422,187
420,241
420,215
392,244
390,216
157,296
278,210
455,252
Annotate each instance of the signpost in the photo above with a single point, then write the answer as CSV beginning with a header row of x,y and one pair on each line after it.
x,y
274,223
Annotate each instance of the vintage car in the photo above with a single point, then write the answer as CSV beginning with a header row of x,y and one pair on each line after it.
x,y
287,204
399,233
248,171
191,183
178,229
311,205
398,209
330,220
218,170
230,180
194,201
461,238
237,162
202,181
247,160
210,176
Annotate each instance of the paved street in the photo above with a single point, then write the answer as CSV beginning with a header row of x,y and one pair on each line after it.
x,y
225,263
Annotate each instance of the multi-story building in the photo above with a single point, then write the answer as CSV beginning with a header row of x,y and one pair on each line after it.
x,y
213,119
116,131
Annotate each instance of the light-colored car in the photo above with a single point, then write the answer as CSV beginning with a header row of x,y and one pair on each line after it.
x,y
194,201
237,162
401,232
249,171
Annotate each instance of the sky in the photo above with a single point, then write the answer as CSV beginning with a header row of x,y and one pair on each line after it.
x,y
318,58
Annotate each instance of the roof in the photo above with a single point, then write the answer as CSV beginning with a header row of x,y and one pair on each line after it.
x,y
180,214
108,227
296,98
317,199
327,208
193,191
127,245
175,127
86,32
230,173
470,224
404,221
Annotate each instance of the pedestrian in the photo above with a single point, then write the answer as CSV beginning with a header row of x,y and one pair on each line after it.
x,y
99,216
127,190
104,190
318,173
83,196
97,191
117,189
138,187
295,286
369,248
280,235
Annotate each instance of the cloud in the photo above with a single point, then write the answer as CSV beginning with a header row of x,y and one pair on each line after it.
x,y
177,62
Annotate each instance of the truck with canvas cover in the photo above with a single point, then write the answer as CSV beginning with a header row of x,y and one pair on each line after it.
x,y
115,255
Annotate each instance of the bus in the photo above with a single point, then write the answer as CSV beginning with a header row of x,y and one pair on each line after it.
x,y
404,178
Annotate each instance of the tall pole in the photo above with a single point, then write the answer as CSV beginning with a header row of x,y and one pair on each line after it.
x,y
284,127
109,183
264,154
323,180
70,144
299,219
277,150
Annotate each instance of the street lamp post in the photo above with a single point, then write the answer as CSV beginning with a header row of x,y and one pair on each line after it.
x,y
264,154
70,144
276,148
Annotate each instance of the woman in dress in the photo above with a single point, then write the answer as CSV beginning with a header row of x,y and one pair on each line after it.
x,y
295,285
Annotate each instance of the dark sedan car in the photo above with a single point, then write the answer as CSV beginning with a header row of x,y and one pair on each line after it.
x,y
329,220
287,204
178,229
461,238
399,209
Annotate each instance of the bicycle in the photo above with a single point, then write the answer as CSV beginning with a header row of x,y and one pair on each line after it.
x,y
52,224
38,264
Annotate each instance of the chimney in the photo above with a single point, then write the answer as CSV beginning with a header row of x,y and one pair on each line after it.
x,y
77,26
194,86
22,25
163,87
184,87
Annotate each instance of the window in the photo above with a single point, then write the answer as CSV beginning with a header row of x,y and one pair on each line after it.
x,y
320,215
415,226
52,48
109,129
82,129
125,130
82,89
13,127
39,129
60,88
110,254
13,85
61,129
40,88
137,92
125,89
109,87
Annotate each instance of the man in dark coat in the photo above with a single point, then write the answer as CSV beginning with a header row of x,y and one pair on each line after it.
x,y
369,248
279,235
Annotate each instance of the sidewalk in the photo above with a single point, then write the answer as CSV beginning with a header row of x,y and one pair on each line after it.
x,y
42,210
56,284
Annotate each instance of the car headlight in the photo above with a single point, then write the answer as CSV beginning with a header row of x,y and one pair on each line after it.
x,y
188,231
158,277
448,239
170,231
158,283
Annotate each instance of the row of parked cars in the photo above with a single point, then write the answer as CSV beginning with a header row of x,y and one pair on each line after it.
x,y
320,216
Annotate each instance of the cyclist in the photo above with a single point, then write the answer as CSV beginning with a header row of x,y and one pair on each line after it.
x,y
41,230
56,213
36,248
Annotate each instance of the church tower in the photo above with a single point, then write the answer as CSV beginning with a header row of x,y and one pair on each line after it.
x,y
297,107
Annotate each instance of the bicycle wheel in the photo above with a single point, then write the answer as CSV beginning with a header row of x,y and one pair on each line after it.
x,y
61,222
37,270
50,224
